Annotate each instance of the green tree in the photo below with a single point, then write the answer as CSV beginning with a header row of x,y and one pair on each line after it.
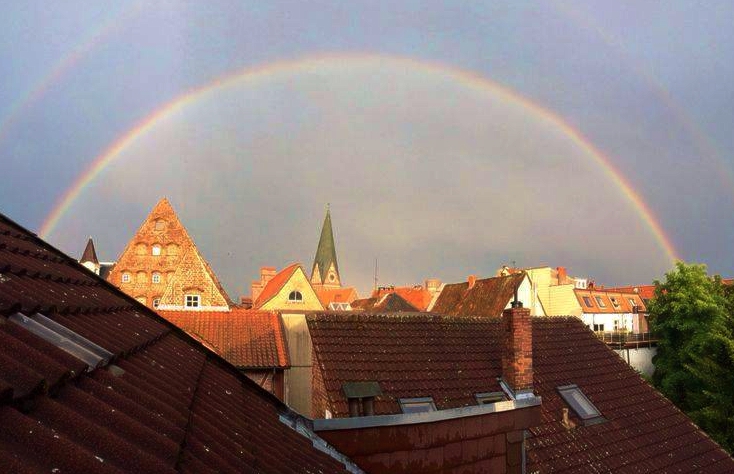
x,y
691,314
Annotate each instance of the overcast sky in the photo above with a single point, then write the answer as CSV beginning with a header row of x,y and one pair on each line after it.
x,y
371,110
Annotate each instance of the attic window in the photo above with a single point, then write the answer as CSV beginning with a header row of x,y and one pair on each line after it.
x,y
587,300
65,339
582,406
417,405
489,397
614,301
126,277
295,296
600,302
160,224
192,301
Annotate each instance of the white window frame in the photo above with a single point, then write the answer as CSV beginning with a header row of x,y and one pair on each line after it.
x,y
297,296
126,277
192,300
156,277
156,302
155,250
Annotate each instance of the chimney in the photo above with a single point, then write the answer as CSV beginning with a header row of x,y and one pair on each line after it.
x,y
517,357
472,279
432,285
267,274
561,271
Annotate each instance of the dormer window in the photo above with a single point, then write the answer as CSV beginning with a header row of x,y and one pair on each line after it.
x,y
126,277
156,250
295,296
417,405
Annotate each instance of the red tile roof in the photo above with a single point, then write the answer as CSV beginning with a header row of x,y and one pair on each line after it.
x,y
245,338
387,303
608,299
335,295
452,358
417,296
645,292
276,284
165,404
488,297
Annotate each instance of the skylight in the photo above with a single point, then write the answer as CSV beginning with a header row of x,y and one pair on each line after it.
x,y
587,300
64,338
417,405
489,397
600,302
582,406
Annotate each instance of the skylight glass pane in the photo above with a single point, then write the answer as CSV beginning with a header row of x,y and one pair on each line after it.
x,y
578,402
417,405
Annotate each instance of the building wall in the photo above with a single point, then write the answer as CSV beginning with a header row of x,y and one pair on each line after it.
x,y
562,301
192,278
624,321
640,359
297,282
298,379
528,295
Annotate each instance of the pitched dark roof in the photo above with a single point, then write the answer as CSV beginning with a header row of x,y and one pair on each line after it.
x,y
245,338
164,404
488,297
326,251
386,303
452,358
89,255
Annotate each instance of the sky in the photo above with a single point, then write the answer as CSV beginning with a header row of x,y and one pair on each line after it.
x,y
448,138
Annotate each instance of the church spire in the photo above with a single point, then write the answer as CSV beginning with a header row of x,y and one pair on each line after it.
x,y
325,270
89,255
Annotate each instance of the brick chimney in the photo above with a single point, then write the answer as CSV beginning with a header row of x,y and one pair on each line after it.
x,y
472,280
561,275
267,274
517,356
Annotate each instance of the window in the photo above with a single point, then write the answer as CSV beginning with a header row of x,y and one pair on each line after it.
x,y
126,277
587,300
295,296
582,406
489,397
332,277
156,277
600,302
598,328
156,302
192,301
417,405
160,224
632,302
156,250
615,303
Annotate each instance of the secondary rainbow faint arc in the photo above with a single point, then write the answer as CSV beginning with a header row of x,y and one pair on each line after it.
x,y
267,70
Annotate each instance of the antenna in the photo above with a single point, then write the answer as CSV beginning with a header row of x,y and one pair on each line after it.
x,y
375,288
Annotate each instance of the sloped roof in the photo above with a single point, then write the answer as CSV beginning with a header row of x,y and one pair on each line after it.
x,y
645,292
326,251
89,255
336,295
386,303
611,301
487,298
417,296
245,338
453,358
276,284
165,404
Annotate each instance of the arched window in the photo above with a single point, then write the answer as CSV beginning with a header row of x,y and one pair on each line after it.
x,y
126,277
156,278
156,249
295,296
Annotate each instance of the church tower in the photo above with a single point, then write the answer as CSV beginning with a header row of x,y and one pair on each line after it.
x,y
325,271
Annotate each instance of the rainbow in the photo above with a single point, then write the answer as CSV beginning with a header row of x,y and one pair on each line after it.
x,y
268,70
64,65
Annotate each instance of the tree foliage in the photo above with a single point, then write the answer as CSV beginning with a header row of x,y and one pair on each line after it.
x,y
691,314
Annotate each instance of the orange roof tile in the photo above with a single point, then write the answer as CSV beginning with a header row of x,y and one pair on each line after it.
x,y
417,296
245,338
336,295
645,292
276,284
608,299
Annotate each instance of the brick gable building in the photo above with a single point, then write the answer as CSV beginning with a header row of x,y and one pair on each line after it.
x,y
162,259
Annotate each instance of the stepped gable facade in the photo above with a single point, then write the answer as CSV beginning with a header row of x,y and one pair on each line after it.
x,y
93,381
151,266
